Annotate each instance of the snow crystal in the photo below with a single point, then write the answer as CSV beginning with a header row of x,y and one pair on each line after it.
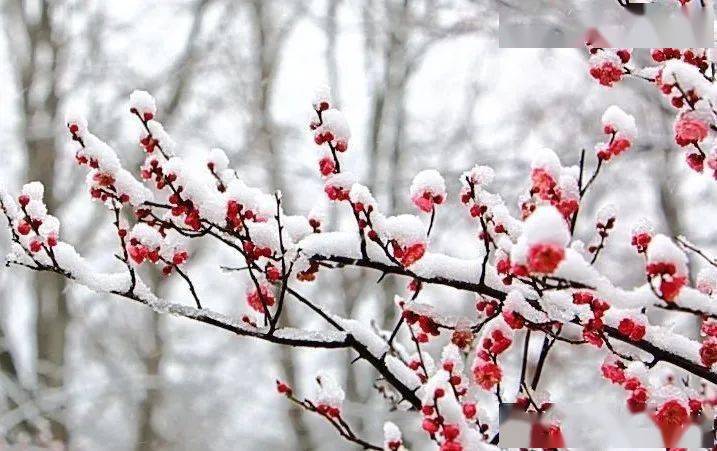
x,y
344,180
264,234
50,225
291,333
297,227
515,302
620,121
568,185
34,190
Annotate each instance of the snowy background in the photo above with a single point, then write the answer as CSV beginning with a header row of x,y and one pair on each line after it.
x,y
423,84
561,23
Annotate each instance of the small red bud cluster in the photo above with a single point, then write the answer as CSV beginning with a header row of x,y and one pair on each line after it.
x,y
486,371
708,348
607,66
428,327
640,240
593,329
486,306
545,187
631,329
260,299
435,425
184,206
35,225
409,254
614,147
670,282
614,371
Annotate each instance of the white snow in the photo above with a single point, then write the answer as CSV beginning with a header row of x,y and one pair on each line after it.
x,y
143,102
428,181
328,392
218,158
322,93
480,176
405,229
336,124
547,160
545,226
663,249
34,190
148,236
391,433
364,335
402,372
620,121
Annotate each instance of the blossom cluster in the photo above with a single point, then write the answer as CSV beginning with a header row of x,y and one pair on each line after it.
x,y
533,274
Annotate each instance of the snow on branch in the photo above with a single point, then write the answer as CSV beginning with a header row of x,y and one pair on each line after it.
x,y
532,275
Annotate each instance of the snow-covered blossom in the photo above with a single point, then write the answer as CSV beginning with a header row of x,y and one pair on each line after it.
x,y
407,236
606,66
217,160
329,395
666,262
641,235
392,440
552,184
428,189
144,243
622,130
541,247
691,128
706,281
334,129
615,120
480,176
142,103
260,299
322,98
338,186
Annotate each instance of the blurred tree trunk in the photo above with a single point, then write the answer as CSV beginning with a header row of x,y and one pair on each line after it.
x,y
147,438
37,70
